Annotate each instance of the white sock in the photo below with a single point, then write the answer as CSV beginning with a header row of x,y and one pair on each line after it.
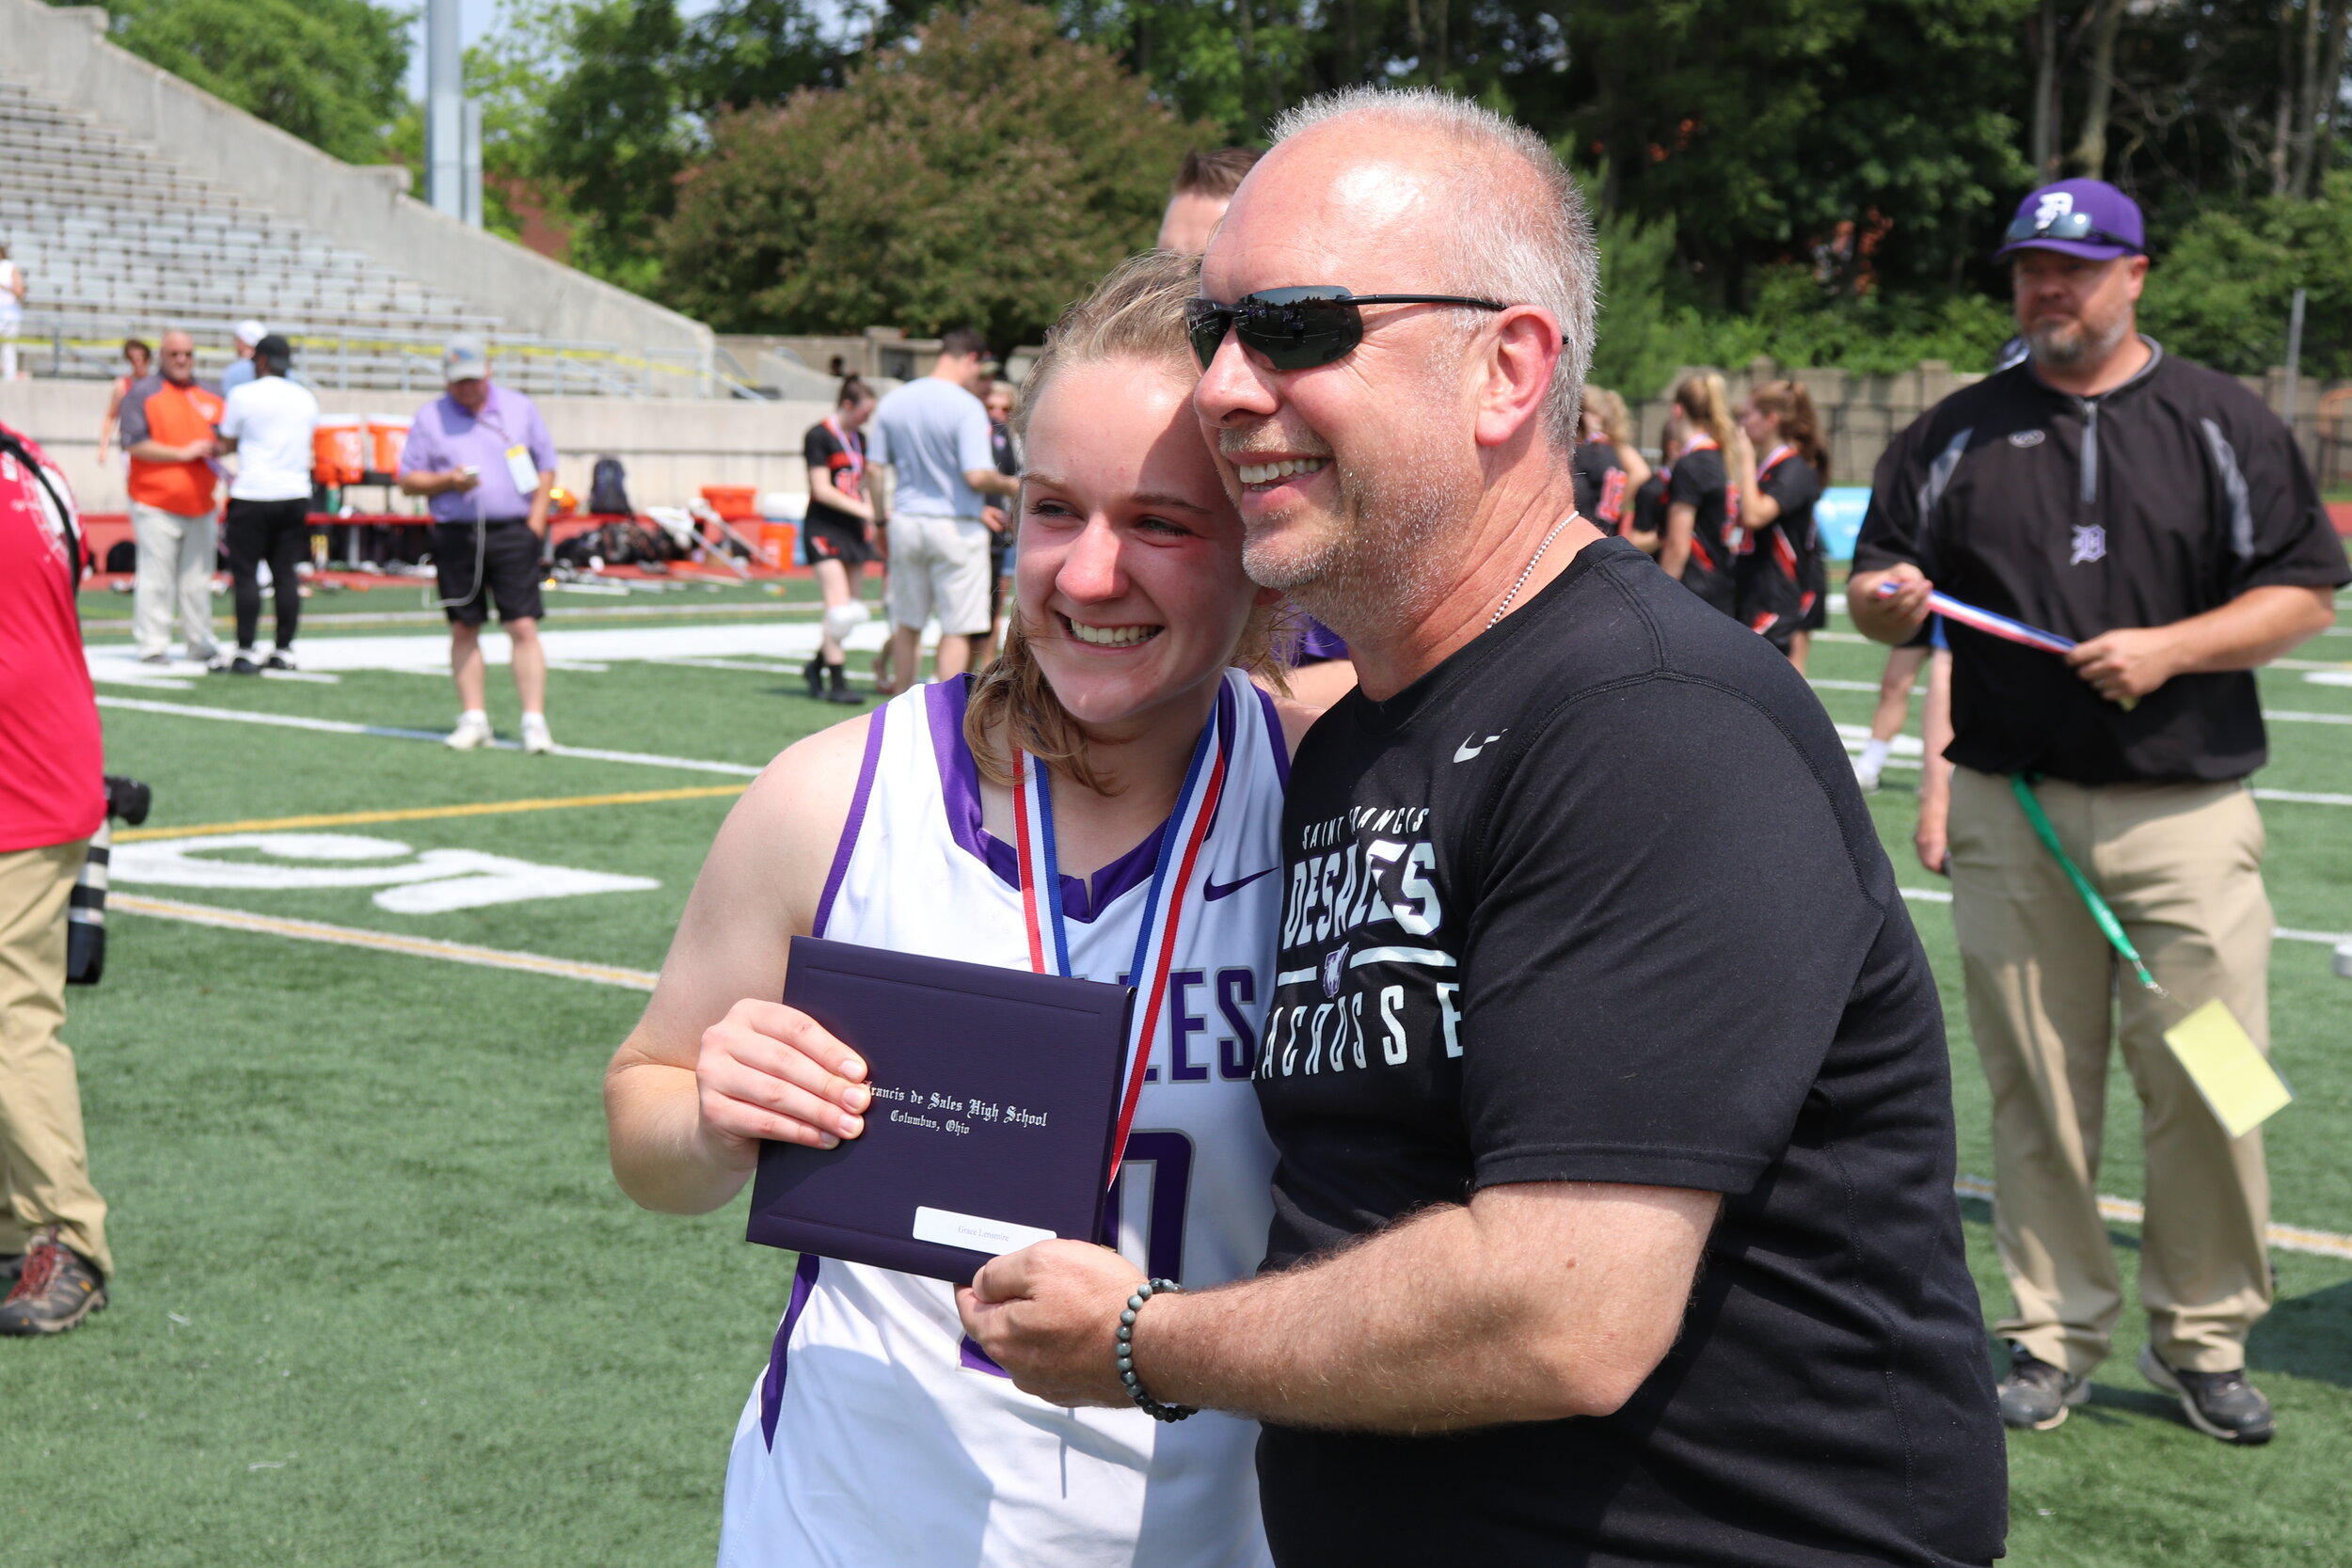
x,y
1872,762
530,717
474,716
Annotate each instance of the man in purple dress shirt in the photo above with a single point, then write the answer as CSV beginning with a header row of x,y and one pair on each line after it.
x,y
485,457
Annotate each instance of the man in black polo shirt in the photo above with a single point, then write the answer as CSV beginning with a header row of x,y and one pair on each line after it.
x,y
2159,513
1576,1258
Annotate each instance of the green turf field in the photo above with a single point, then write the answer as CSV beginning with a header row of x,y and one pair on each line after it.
x,y
380,1303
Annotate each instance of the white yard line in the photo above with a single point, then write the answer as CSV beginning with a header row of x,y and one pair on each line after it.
x,y
380,941
2284,933
388,732
2286,1238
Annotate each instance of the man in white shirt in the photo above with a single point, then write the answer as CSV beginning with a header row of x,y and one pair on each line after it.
x,y
934,435
269,424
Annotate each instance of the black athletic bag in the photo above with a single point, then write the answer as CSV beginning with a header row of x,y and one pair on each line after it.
x,y
607,489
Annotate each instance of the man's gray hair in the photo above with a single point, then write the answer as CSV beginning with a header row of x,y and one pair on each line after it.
x,y
1508,247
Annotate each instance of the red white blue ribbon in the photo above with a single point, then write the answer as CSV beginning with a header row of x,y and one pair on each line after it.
x,y
1181,843
1988,623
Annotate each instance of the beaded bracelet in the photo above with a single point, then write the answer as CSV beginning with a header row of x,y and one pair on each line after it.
x,y
1126,1351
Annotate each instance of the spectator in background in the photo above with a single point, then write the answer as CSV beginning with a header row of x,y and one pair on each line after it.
x,y
248,337
1777,579
1610,468
839,530
12,312
1206,184
933,433
1007,447
137,352
167,429
485,457
268,423
1701,514
52,1224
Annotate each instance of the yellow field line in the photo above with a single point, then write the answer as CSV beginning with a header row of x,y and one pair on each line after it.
x,y
381,942
424,814
2287,1238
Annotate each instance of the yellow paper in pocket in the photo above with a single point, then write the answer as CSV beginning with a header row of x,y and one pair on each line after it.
x,y
2237,1081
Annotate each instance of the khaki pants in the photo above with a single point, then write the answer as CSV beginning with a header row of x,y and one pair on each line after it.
x,y
45,1165
2180,865
176,557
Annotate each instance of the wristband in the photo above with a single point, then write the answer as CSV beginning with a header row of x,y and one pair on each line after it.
x,y
1126,1354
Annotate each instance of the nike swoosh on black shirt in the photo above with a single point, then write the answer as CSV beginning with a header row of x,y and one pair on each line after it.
x,y
1213,888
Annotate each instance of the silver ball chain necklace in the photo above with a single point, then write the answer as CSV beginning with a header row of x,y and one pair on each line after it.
x,y
1529,571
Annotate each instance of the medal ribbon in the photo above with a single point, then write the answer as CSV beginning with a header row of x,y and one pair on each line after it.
x,y
1180,842
2101,915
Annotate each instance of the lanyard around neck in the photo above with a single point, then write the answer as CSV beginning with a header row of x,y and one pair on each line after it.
x,y
849,449
1180,842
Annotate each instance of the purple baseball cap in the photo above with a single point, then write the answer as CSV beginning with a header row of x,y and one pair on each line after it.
x,y
2081,218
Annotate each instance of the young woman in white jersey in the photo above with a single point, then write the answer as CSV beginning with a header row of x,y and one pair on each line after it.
x,y
877,1434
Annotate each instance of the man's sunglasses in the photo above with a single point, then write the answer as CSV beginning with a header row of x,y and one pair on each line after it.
x,y
1297,330
2067,226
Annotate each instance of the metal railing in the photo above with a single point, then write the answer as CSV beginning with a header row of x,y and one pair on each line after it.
x,y
87,347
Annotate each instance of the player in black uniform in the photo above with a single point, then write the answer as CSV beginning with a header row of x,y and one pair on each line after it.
x,y
838,529
1700,513
1774,569
1610,468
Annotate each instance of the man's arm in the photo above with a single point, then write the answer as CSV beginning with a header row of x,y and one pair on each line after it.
x,y
538,515
2257,627
1673,552
1530,1303
988,482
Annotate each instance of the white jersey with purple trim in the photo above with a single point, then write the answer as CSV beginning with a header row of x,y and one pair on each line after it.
x,y
879,1434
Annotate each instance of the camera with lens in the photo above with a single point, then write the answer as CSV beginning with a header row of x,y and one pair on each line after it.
x,y
86,911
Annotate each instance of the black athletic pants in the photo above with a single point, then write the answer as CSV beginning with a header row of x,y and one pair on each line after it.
x,y
279,533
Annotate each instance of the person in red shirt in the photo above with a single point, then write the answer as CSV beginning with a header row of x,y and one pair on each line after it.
x,y
52,1223
167,429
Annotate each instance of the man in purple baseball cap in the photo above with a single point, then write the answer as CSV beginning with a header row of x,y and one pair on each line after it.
x,y
2159,516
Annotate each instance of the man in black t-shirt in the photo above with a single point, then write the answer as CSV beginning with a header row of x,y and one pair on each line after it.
x,y
1614,1219
2159,513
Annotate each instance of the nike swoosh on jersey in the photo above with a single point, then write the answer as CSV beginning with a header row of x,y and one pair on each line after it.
x,y
1212,889
1466,751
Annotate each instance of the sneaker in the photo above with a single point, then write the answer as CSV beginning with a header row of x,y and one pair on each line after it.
x,y
282,659
2036,1396
536,736
56,1290
815,674
839,690
2219,1405
1867,777
472,733
243,664
155,659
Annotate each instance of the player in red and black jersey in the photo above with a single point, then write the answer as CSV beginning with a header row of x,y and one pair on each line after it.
x,y
839,530
1702,509
1610,470
1774,575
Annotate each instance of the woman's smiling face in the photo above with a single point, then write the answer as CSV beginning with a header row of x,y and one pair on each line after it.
x,y
1129,581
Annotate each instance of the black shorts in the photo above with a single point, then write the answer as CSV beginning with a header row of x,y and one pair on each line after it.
x,y
830,539
509,572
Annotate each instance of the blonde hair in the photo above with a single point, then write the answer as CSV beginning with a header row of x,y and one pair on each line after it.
x,y
1703,396
1608,408
1135,313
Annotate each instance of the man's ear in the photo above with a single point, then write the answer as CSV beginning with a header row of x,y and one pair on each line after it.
x,y
1520,362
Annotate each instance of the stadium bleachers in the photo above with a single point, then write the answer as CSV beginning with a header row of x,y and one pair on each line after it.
x,y
120,241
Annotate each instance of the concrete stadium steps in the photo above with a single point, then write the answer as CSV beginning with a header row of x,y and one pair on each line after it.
x,y
119,240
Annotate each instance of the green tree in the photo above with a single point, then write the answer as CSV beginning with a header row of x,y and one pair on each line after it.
x,y
2220,293
327,71
986,173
